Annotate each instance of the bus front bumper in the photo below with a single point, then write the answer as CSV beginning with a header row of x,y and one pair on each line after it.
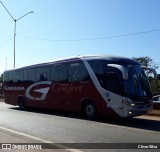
x,y
138,110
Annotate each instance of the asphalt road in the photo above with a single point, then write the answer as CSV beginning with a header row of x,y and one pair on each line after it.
x,y
63,127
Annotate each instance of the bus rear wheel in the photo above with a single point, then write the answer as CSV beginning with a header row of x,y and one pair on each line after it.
x,y
89,110
22,103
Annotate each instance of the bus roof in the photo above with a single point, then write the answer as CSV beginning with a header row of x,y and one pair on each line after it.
x,y
111,58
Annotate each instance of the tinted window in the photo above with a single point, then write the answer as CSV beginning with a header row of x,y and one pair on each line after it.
x,y
18,76
109,77
59,72
6,76
29,75
77,71
43,74
98,68
9,76
111,80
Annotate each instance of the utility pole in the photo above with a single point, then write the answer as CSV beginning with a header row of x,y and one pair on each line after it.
x,y
15,21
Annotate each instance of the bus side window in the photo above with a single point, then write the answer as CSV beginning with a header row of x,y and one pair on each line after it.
x,y
29,75
42,77
9,77
6,76
59,73
108,77
98,69
77,71
18,76
112,81
43,74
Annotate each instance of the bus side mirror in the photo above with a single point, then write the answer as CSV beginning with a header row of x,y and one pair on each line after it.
x,y
152,71
122,69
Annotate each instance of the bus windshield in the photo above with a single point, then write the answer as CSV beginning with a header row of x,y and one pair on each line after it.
x,y
137,84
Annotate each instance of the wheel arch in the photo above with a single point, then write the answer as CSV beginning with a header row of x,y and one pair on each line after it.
x,y
21,102
86,102
19,98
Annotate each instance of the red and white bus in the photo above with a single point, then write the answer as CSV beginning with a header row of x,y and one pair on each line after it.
x,y
105,85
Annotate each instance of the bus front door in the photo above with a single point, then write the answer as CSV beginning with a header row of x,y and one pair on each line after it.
x,y
115,102
113,83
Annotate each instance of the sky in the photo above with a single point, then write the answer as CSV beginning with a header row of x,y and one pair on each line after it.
x,y
65,28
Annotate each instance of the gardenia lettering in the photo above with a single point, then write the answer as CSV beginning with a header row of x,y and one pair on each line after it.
x,y
14,88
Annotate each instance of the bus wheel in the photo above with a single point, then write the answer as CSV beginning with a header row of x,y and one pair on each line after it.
x,y
89,110
22,103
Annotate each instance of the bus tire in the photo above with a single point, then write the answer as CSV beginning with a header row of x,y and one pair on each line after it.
x,y
22,103
89,110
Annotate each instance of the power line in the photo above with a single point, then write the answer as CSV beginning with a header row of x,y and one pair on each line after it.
x,y
6,42
91,39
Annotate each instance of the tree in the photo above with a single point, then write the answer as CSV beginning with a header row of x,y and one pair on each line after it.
x,y
148,62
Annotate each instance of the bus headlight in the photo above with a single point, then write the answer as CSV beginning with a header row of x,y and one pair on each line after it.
x,y
132,104
129,103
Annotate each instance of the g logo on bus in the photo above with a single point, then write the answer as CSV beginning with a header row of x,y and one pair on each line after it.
x,y
41,89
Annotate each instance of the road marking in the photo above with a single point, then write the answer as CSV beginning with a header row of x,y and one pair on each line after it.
x,y
41,140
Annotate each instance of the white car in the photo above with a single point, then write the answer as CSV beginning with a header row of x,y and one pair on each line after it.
x,y
156,99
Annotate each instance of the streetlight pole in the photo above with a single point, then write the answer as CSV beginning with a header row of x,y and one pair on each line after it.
x,y
15,22
6,64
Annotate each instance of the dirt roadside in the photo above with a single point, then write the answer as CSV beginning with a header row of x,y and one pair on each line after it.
x,y
154,113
